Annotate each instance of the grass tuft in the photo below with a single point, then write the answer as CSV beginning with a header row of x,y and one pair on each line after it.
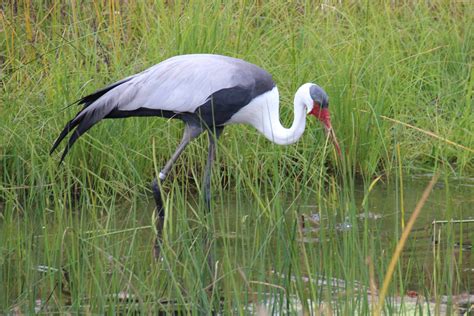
x,y
292,227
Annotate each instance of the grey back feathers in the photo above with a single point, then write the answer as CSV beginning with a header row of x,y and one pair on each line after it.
x,y
182,84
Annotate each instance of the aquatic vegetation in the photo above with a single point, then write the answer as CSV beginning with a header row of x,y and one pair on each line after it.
x,y
78,237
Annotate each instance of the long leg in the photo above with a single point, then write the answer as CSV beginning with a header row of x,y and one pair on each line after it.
x,y
190,132
213,137
211,156
160,218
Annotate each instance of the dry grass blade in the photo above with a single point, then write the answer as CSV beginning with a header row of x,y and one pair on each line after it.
x,y
261,310
402,241
429,133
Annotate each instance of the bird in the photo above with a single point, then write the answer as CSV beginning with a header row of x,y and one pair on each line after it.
x,y
207,92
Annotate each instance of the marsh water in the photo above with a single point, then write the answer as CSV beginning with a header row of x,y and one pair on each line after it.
x,y
443,231
439,249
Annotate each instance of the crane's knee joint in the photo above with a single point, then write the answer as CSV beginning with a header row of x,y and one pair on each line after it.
x,y
162,176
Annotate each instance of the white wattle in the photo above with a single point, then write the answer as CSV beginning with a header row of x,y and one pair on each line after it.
x,y
263,113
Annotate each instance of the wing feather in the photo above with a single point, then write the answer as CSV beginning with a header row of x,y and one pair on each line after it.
x,y
183,83
177,85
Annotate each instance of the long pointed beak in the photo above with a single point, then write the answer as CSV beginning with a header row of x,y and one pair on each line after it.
x,y
324,117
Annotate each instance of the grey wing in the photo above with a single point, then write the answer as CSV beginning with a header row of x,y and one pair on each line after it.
x,y
178,84
183,83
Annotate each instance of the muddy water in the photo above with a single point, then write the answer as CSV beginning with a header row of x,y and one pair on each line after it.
x,y
441,244
442,240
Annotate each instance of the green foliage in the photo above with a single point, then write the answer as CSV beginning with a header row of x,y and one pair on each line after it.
x,y
379,61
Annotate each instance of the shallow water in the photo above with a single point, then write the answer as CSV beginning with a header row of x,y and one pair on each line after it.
x,y
123,236
445,224
443,232
444,228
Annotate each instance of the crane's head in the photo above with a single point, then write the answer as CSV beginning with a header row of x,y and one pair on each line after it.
x,y
320,110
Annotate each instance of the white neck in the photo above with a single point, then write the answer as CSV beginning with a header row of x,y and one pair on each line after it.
x,y
264,114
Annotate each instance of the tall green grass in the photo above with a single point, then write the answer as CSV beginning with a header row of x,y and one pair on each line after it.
x,y
410,61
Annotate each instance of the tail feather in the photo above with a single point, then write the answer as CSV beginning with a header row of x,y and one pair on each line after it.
x,y
86,118
69,127
91,98
83,121
86,122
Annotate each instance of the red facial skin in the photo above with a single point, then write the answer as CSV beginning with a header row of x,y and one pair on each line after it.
x,y
322,114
